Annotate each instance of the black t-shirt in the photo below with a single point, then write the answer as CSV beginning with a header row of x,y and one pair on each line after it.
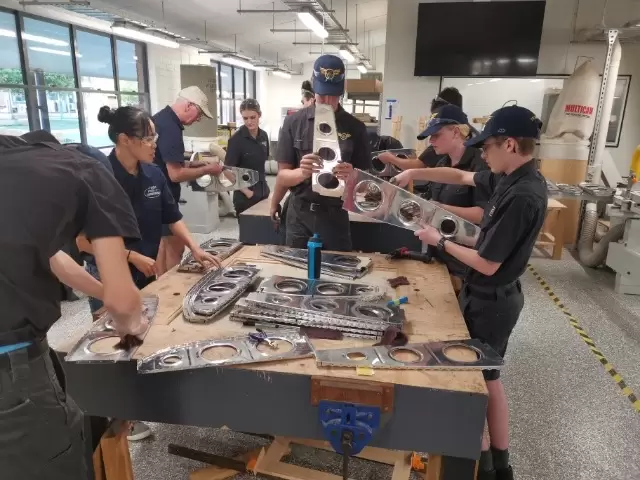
x,y
48,195
512,220
296,141
244,151
429,157
170,145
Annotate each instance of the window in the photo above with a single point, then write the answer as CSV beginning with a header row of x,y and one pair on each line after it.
x,y
234,85
60,76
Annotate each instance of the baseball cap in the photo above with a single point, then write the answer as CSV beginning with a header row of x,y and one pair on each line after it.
x,y
511,121
196,96
328,76
447,115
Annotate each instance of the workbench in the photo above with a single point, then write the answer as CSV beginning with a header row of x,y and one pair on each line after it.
x,y
439,412
367,235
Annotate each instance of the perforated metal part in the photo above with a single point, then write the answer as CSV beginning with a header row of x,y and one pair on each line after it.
x,y
222,248
337,265
338,312
423,356
327,146
375,198
242,350
231,178
320,288
381,169
103,329
216,290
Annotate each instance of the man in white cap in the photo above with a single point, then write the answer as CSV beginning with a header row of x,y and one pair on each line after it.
x,y
189,107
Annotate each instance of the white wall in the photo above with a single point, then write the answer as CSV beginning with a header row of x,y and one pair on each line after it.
x,y
557,56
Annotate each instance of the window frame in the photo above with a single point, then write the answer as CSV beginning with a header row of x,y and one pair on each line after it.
x,y
31,90
217,65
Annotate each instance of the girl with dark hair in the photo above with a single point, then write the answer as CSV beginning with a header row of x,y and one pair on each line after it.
x,y
308,95
249,148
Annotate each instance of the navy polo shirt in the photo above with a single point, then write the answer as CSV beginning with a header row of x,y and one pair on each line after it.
x,y
170,146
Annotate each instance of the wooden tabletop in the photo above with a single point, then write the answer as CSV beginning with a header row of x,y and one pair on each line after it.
x,y
432,314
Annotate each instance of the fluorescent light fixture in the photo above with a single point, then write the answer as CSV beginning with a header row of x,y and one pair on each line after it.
x,y
503,61
238,62
281,74
346,54
34,38
362,68
53,51
312,23
495,80
525,60
535,80
143,36
469,84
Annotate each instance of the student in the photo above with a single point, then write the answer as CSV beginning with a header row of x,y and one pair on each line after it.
x,y
491,298
308,96
249,148
309,212
429,157
49,192
190,106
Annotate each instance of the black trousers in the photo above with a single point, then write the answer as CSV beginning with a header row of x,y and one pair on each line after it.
x,y
331,223
41,428
491,313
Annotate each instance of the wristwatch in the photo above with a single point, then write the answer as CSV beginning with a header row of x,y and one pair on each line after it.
x,y
440,244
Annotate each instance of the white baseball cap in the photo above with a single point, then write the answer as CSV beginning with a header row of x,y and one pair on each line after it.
x,y
196,96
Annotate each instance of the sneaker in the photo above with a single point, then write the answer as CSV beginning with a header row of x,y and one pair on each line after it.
x,y
504,474
138,431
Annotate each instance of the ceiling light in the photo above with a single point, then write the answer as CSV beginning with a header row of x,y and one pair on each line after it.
x,y
346,54
143,37
313,24
53,51
34,38
238,62
362,68
282,74
495,79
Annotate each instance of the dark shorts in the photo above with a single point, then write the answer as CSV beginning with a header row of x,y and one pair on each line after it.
x,y
491,314
41,428
331,223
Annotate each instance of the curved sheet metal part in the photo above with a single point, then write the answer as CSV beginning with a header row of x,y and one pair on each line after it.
x,y
230,351
222,248
89,350
231,178
340,265
434,355
375,198
327,146
341,312
216,290
381,169
320,288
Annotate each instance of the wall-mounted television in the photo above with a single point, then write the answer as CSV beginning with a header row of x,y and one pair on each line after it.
x,y
497,38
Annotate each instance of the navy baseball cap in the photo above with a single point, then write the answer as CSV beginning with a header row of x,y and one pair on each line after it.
x,y
328,76
511,121
446,115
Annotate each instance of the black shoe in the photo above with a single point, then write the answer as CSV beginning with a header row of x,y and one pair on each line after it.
x,y
504,474
487,475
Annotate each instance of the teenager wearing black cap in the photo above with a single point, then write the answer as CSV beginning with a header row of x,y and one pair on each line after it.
x,y
309,212
491,298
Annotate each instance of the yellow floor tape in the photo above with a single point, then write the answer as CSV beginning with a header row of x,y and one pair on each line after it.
x,y
626,391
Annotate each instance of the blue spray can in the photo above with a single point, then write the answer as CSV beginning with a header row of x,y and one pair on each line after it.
x,y
314,257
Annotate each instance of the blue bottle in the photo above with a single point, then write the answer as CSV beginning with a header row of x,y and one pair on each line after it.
x,y
314,257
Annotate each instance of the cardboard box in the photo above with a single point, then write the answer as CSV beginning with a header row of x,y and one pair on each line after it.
x,y
363,86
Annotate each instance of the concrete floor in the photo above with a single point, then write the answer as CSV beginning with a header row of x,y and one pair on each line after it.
x,y
569,420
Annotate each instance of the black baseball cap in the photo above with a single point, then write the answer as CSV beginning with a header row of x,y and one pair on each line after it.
x,y
511,121
447,115
328,76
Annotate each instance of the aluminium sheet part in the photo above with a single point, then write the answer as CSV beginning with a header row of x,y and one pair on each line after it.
x,y
222,248
243,351
216,290
231,178
431,355
354,275
338,311
381,169
327,147
368,195
103,329
320,288
346,266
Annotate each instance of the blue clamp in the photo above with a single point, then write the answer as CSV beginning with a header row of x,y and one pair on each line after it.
x,y
357,422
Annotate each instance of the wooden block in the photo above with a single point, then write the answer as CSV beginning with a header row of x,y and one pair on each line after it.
x,y
349,391
218,473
